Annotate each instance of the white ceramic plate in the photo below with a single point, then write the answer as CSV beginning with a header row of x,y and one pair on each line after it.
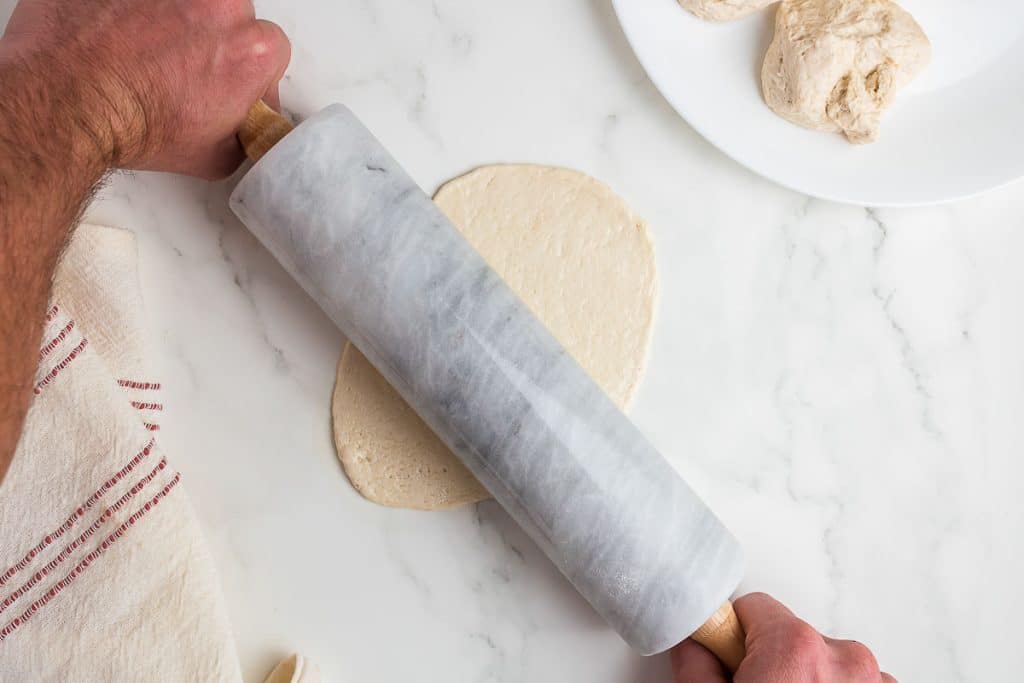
x,y
956,131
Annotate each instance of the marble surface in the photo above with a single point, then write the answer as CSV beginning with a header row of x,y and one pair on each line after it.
x,y
844,386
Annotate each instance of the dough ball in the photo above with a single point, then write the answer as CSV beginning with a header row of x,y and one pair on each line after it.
x,y
583,263
835,65
723,10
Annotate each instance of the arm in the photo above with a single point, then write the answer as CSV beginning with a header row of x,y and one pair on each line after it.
x,y
33,226
92,85
780,649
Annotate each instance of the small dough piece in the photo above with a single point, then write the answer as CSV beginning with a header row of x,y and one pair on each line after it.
x,y
723,10
294,669
583,263
835,65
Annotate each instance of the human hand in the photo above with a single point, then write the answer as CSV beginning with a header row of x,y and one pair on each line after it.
x,y
780,649
156,85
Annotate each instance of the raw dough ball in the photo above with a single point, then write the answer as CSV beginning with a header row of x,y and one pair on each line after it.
x,y
835,65
723,10
583,263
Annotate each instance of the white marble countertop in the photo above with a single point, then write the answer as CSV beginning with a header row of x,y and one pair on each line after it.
x,y
844,386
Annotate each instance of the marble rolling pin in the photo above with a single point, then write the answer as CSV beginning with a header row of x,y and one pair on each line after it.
x,y
467,355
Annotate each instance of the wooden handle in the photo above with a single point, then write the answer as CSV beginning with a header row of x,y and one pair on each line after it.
x,y
262,129
723,635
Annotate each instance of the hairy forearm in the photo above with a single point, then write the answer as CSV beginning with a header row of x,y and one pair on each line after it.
x,y
50,162
89,85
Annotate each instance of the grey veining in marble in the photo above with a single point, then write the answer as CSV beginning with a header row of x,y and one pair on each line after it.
x,y
391,271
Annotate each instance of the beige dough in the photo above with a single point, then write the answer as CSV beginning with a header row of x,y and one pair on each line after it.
x,y
723,10
583,263
835,65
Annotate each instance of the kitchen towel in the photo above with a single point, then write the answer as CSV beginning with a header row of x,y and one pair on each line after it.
x,y
104,574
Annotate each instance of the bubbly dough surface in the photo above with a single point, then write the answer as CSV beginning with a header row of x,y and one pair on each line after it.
x,y
836,65
584,264
723,10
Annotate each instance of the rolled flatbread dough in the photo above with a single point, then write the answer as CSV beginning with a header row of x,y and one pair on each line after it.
x,y
835,65
583,263
723,10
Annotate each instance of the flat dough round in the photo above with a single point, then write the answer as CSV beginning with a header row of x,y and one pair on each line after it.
x,y
583,263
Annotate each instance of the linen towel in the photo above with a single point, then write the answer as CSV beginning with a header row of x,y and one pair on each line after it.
x,y
104,575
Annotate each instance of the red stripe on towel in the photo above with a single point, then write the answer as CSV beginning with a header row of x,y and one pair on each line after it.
x,y
59,367
56,589
64,554
52,344
135,384
77,514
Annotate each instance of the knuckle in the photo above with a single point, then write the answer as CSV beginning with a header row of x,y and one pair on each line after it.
x,y
269,39
804,642
858,662
266,50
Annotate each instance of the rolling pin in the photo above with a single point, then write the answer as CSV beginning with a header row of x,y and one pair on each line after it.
x,y
469,357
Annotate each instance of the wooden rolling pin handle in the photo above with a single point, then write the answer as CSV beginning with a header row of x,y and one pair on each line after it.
x,y
723,635
262,129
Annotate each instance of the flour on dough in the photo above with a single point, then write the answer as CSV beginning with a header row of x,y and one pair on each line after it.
x,y
835,65
583,263
723,10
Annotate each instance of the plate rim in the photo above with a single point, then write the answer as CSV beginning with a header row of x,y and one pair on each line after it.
x,y
796,186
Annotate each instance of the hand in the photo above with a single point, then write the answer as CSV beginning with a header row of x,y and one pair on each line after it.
x,y
780,649
90,85
153,84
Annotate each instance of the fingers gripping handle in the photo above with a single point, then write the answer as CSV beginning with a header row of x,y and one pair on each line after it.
x,y
723,635
262,129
